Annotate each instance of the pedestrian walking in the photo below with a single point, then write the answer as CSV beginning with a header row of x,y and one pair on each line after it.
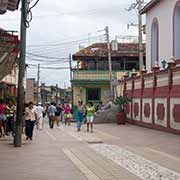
x,y
79,115
39,111
58,114
3,118
30,119
67,114
11,111
90,110
62,113
51,114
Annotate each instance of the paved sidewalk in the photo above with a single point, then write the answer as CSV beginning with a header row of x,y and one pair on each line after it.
x,y
112,152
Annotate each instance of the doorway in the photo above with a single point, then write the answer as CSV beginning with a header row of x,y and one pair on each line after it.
x,y
93,95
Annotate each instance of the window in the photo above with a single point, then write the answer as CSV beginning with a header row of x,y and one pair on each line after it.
x,y
101,65
116,65
154,41
131,65
91,65
177,31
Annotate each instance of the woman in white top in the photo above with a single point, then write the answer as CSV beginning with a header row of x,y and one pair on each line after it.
x,y
30,119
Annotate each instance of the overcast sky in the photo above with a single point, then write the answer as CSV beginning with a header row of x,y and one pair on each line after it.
x,y
64,25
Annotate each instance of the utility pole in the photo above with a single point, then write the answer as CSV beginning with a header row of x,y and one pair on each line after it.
x,y
38,85
56,93
70,66
109,61
22,67
139,5
71,78
141,53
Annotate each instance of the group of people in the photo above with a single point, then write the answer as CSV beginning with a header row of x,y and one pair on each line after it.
x,y
85,114
34,115
7,117
57,113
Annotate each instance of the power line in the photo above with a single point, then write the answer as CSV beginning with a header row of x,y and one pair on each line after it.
x,y
65,43
55,68
74,37
47,67
41,56
46,61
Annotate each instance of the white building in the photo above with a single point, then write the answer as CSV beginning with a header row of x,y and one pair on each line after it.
x,y
163,30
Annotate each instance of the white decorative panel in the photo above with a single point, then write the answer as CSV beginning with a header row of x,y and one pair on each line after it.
x,y
136,116
144,118
159,103
173,123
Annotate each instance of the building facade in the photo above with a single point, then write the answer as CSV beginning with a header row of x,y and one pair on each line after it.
x,y
8,63
31,90
91,79
162,29
9,84
156,95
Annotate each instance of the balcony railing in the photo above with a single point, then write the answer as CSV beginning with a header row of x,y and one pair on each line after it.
x,y
91,75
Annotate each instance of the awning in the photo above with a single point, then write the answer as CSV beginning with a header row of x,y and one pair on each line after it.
x,y
8,52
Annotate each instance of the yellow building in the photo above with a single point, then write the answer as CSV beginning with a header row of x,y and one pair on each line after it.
x,y
91,79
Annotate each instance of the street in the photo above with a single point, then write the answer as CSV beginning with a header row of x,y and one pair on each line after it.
x,y
112,152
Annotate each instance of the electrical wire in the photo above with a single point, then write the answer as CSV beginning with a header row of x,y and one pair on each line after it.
x,y
28,13
41,56
46,61
48,68
75,37
66,43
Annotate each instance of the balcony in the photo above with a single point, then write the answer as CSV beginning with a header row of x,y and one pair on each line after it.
x,y
91,75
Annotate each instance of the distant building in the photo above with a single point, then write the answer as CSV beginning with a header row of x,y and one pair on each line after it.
x,y
162,29
31,90
91,80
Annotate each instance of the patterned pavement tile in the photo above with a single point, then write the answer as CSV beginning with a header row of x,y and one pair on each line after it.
x,y
141,167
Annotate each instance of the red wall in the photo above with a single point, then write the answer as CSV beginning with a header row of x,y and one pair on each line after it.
x,y
155,99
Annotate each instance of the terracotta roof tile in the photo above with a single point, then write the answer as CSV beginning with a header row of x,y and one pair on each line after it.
x,y
100,49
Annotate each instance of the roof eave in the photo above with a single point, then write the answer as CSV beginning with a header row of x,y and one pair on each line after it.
x,y
149,6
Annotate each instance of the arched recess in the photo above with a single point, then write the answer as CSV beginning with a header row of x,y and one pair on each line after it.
x,y
176,26
154,41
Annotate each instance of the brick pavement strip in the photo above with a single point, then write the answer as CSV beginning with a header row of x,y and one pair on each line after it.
x,y
101,166
83,168
141,167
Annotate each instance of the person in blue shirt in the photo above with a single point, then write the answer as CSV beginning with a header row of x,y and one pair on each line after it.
x,y
79,115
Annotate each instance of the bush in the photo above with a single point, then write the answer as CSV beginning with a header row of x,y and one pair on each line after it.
x,y
122,101
8,98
